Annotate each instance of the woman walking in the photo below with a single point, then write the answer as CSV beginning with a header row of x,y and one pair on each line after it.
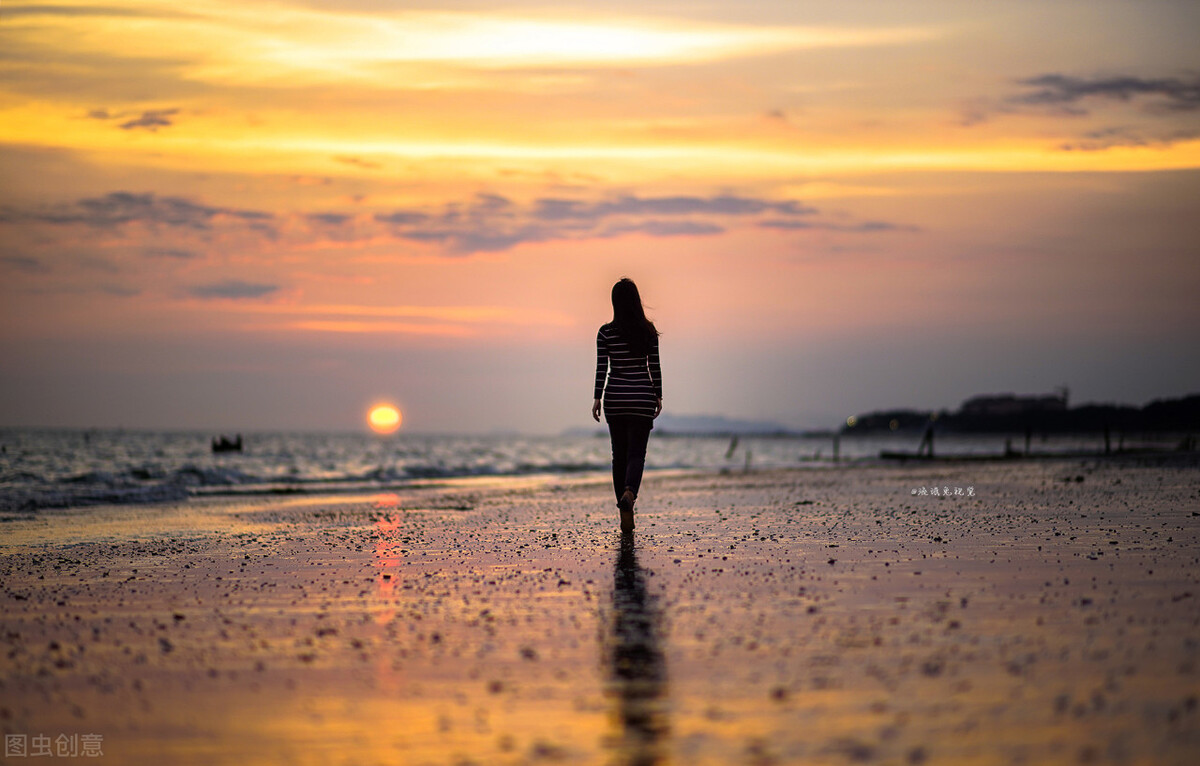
x,y
630,381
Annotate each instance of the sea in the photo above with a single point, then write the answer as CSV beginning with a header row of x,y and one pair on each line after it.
x,y
49,468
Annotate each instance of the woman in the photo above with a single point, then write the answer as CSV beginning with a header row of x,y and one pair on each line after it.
x,y
630,381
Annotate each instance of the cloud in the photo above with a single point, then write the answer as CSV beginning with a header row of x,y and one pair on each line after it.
x,y
402,217
1065,95
1065,91
664,229
480,237
358,162
490,202
150,119
1107,138
11,11
232,289
490,240
978,112
24,263
181,229
864,227
120,291
492,223
563,209
329,219
123,207
170,252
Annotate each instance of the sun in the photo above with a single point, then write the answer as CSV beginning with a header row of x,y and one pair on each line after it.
x,y
383,419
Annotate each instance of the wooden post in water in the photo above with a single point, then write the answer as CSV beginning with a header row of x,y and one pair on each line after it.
x,y
836,445
926,441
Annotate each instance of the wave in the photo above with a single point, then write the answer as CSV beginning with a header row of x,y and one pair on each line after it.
x,y
27,492
56,469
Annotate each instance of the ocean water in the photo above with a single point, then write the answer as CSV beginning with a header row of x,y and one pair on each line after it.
x,y
64,468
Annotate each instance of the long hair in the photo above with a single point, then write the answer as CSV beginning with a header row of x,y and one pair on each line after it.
x,y
629,318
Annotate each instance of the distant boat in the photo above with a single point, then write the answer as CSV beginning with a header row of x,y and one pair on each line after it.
x,y
223,444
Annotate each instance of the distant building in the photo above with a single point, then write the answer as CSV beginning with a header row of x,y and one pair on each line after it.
x,y
1004,405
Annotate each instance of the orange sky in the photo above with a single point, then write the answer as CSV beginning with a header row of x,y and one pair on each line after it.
x,y
269,215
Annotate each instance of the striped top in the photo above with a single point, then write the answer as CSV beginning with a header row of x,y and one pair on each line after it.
x,y
634,383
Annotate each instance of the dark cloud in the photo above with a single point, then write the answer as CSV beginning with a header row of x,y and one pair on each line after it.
x,y
358,162
564,209
232,289
402,217
1070,96
426,235
24,263
1107,138
873,226
170,252
328,219
120,291
151,120
490,223
487,239
11,11
1064,91
485,223
122,207
96,263
976,113
658,228
863,227
490,203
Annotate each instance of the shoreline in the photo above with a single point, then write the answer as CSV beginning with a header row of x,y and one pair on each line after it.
x,y
808,615
336,492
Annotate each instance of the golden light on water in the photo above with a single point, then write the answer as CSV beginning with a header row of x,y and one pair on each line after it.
x,y
384,419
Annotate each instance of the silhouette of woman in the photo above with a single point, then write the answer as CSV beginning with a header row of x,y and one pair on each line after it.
x,y
630,381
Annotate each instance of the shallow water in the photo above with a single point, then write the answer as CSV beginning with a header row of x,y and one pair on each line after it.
x,y
65,468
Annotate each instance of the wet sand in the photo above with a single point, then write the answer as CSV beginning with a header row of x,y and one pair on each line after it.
x,y
1051,614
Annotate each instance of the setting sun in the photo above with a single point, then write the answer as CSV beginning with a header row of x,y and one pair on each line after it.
x,y
383,419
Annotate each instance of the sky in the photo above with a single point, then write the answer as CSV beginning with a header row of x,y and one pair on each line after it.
x,y
270,215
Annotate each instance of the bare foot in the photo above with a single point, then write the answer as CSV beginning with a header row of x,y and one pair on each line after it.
x,y
626,506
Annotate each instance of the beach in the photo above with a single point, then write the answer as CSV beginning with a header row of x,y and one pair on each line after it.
x,y
1022,611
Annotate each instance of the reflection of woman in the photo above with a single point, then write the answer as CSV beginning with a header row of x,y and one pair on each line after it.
x,y
629,378
638,676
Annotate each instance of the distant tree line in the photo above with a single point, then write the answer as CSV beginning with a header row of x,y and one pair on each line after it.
x,y
1013,414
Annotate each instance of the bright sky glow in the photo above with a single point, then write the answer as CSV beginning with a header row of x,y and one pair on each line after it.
x,y
829,207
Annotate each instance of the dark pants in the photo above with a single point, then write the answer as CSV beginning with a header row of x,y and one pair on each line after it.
x,y
629,436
